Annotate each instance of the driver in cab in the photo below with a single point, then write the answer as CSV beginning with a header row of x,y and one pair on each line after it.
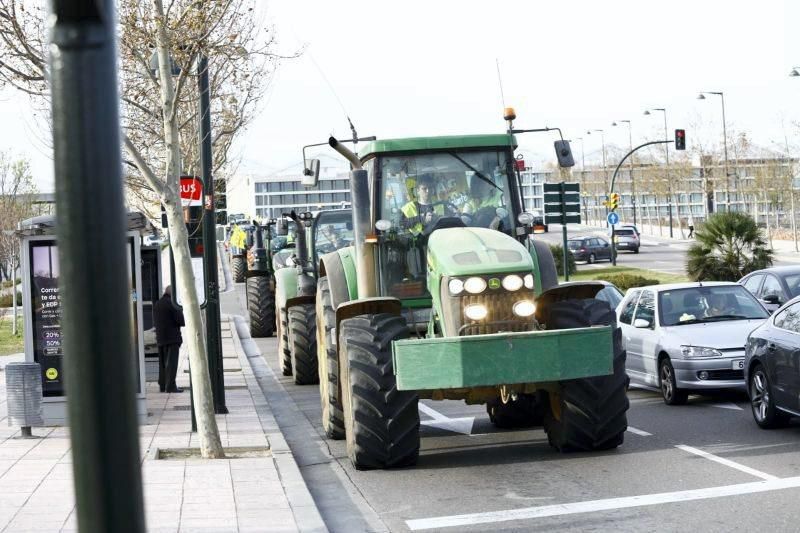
x,y
417,214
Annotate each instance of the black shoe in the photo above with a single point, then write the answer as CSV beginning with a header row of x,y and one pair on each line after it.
x,y
176,389
162,389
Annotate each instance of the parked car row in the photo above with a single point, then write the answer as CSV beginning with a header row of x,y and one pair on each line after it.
x,y
686,338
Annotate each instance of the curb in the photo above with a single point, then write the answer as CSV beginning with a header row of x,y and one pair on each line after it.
x,y
305,511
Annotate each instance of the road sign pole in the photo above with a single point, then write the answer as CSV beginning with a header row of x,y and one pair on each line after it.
x,y
613,246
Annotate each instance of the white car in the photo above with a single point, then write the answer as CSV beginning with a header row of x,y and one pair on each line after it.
x,y
686,337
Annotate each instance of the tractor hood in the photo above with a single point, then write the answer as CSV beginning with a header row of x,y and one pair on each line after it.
x,y
468,251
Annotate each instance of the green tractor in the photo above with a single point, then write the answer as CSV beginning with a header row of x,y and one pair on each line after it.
x,y
444,295
295,290
260,280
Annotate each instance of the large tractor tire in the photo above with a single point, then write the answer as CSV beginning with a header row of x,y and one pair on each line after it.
x,y
523,412
590,413
329,390
548,274
382,423
239,267
261,306
284,354
302,338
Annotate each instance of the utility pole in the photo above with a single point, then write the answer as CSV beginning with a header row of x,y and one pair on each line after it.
x,y
213,326
98,346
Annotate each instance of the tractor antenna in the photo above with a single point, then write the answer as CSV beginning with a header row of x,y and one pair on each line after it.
x,y
500,82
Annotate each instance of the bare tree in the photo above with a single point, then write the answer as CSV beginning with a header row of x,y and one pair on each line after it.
x,y
158,48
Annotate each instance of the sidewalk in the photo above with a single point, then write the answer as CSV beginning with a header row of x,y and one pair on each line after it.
x,y
258,493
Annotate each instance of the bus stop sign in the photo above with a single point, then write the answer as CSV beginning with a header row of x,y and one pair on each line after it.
x,y
191,191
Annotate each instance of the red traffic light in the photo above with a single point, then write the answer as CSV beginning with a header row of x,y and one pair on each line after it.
x,y
680,139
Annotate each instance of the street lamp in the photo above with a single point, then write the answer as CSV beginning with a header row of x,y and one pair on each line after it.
x,y
605,169
701,96
630,162
666,152
583,182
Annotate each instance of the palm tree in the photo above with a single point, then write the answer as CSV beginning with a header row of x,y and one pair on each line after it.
x,y
728,246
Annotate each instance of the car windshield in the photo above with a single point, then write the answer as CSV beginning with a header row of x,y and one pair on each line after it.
x,y
574,245
708,304
610,295
420,190
793,282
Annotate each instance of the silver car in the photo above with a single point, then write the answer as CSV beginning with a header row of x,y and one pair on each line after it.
x,y
686,337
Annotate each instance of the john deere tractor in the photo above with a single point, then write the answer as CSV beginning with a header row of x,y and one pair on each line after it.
x,y
260,280
444,295
295,290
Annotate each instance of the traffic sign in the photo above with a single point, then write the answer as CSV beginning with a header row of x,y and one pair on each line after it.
x,y
556,187
191,191
613,218
556,219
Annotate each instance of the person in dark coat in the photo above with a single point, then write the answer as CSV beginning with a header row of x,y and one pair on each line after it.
x,y
168,320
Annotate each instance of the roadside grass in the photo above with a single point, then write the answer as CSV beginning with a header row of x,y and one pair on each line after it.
x,y
10,343
588,274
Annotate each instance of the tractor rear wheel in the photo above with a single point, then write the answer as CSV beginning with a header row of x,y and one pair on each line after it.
x,y
303,344
239,268
523,412
284,354
329,390
261,306
589,413
547,265
382,423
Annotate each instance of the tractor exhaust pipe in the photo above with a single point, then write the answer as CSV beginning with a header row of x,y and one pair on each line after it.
x,y
362,223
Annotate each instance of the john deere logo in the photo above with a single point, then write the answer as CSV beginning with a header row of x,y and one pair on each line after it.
x,y
494,283
51,373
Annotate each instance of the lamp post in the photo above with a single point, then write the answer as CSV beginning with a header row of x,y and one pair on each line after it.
x,y
630,162
666,152
583,182
701,96
605,168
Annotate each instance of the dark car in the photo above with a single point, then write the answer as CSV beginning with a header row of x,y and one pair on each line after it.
x,y
773,286
772,367
589,249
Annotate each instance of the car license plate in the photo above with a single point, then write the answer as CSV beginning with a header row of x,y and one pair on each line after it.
x,y
737,364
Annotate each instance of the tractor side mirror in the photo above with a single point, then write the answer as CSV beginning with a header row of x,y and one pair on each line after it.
x,y
564,154
311,174
280,228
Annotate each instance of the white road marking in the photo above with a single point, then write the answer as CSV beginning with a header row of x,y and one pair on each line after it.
x,y
456,425
608,504
727,462
726,405
639,432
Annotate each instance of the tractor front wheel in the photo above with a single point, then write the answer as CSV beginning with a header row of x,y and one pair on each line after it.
x,y
303,344
381,422
284,353
590,413
260,306
329,390
239,267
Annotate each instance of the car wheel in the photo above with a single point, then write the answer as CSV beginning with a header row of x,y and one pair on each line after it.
x,y
669,389
591,259
762,401
636,251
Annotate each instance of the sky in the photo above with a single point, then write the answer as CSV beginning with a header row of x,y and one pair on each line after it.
x,y
417,68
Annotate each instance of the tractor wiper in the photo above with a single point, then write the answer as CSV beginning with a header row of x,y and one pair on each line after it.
x,y
477,172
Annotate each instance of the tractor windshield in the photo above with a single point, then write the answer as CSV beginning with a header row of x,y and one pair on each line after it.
x,y
421,192
333,232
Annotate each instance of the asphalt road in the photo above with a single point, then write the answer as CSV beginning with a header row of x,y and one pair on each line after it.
x,y
705,466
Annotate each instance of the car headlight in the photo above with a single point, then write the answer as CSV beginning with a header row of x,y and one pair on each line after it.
x,y
528,281
456,286
476,311
524,308
697,352
475,285
512,282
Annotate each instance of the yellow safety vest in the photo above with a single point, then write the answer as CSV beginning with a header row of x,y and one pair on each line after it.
x,y
238,237
410,211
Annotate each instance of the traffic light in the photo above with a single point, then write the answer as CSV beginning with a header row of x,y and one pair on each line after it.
x,y
613,201
680,139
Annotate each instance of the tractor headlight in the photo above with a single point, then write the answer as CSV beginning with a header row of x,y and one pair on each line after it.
x,y
475,285
528,281
456,286
476,311
512,282
524,308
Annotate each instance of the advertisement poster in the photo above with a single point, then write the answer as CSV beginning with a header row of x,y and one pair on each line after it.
x,y
46,304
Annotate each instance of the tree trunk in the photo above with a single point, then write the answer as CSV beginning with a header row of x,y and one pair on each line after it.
x,y
207,430
13,298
